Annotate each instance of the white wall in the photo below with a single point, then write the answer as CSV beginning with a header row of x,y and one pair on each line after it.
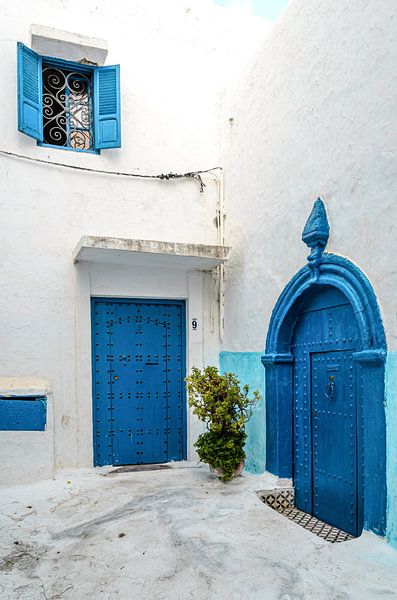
x,y
172,55
313,116
27,456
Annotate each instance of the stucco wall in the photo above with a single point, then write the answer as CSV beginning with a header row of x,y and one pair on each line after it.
x,y
249,370
27,456
173,64
314,116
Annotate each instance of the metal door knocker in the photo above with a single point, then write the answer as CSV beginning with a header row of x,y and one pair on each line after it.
x,y
330,388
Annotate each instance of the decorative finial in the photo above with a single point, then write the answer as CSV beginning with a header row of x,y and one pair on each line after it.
x,y
315,235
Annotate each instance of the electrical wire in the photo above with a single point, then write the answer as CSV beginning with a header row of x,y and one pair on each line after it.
x,y
196,175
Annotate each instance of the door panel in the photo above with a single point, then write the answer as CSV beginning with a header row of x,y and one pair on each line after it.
x,y
175,384
139,406
325,428
334,435
302,432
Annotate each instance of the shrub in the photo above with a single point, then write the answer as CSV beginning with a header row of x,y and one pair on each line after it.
x,y
225,408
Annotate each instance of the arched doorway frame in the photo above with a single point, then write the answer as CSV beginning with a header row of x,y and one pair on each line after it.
x,y
337,271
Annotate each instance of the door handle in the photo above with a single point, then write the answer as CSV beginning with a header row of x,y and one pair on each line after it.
x,y
330,390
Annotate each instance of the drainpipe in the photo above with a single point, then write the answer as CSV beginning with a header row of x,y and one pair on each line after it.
x,y
220,275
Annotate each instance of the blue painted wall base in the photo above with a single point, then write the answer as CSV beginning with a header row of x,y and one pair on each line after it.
x,y
248,368
391,457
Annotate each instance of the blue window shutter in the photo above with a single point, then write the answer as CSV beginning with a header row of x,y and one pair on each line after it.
x,y
30,92
107,107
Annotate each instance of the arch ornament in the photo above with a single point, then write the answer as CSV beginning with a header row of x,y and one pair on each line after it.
x,y
324,269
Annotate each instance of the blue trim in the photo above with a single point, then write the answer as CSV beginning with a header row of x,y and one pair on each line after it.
x,y
350,280
315,235
391,420
91,151
107,111
182,304
30,92
68,64
23,413
316,230
371,357
342,274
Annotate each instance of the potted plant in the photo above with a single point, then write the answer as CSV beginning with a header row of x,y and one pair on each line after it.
x,y
225,408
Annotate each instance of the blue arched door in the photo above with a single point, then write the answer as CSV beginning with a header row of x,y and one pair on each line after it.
x,y
327,467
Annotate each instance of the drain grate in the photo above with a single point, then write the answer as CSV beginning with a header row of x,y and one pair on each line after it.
x,y
283,502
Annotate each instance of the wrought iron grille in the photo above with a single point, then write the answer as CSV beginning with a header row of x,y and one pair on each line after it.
x,y
68,118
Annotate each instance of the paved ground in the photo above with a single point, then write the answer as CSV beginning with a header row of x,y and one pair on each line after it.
x,y
174,535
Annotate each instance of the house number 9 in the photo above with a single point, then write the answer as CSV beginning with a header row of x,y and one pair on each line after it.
x,y
194,324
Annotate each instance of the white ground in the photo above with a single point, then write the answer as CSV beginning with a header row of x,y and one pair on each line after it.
x,y
174,534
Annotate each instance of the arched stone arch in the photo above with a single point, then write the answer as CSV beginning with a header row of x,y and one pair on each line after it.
x,y
350,280
329,270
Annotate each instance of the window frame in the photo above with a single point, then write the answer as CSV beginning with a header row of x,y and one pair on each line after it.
x,y
106,101
68,64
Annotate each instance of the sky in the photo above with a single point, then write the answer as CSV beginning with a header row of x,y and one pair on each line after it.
x,y
269,9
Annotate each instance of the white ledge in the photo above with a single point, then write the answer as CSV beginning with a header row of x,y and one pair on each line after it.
x,y
24,386
69,46
149,253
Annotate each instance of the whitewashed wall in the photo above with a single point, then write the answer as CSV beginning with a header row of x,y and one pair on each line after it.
x,y
27,455
313,116
175,56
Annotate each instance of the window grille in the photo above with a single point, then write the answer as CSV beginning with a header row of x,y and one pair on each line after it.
x,y
68,117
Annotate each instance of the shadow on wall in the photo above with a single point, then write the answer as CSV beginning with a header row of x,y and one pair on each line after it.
x,y
249,370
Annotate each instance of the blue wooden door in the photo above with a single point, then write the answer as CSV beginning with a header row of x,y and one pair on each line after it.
x,y
139,407
327,444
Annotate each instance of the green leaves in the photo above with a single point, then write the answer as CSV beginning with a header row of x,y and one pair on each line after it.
x,y
218,401
223,451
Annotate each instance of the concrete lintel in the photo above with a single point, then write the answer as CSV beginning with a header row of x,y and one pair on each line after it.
x,y
150,253
24,386
68,46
